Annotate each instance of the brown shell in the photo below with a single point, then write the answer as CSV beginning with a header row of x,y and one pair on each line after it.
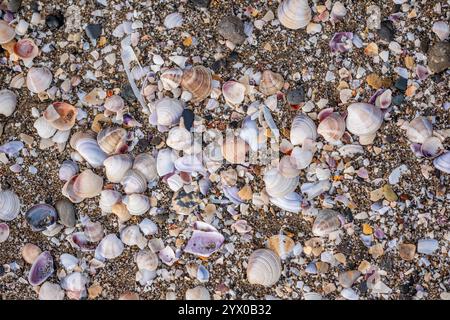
x,y
271,83
26,49
113,140
197,81
234,150
62,116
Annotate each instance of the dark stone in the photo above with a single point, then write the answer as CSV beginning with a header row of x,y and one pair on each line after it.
x,y
397,8
363,287
2,270
232,29
386,31
401,84
156,141
127,93
234,125
398,99
14,5
437,77
439,57
234,56
296,96
188,118
217,65
424,43
55,20
35,6
200,3
93,31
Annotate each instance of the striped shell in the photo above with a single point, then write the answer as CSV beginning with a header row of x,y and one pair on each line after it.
x,y
419,129
147,260
303,127
326,222
332,128
88,148
277,185
108,198
146,164
133,182
39,79
116,166
113,140
67,170
8,102
294,14
168,111
88,184
9,205
110,247
171,78
271,83
363,119
137,204
197,81
233,92
264,267
132,236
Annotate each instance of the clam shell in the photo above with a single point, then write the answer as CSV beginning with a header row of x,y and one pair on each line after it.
x,y
270,83
108,198
51,291
121,211
264,267
41,269
39,79
432,147
234,149
294,14
301,157
197,81
110,247
116,166
9,205
88,148
61,115
419,129
26,49
88,184
197,293
7,33
233,92
363,119
75,282
30,252
165,162
132,236
287,167
8,102
137,204
113,140
68,191
171,78
114,103
442,162
93,231
179,138
41,216
67,170
326,222
277,185
134,182
290,202
173,20
282,245
168,111
332,128
44,128
146,164
147,260
4,232
303,127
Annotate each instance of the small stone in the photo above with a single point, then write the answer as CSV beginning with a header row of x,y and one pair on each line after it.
x,y
200,3
371,50
374,81
364,266
346,279
296,96
427,246
409,62
389,194
188,118
66,213
386,31
55,20
376,195
127,93
367,229
439,57
322,267
401,83
398,99
407,251
246,193
93,31
232,29
14,5
376,250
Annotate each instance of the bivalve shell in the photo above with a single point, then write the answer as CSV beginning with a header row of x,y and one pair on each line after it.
x,y
147,260
67,170
88,184
44,129
134,182
132,236
51,291
364,119
61,115
234,150
116,166
179,138
93,231
419,129
173,20
197,81
109,198
39,79
8,102
168,111
198,293
303,127
114,103
281,245
271,83
9,205
277,185
137,204
110,247
327,221
30,252
7,33
26,49
233,92
41,216
332,128
41,269
146,164
88,148
294,14
442,162
171,78
264,267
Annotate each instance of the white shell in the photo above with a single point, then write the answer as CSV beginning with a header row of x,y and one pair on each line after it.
x,y
288,167
175,182
132,236
9,205
68,261
134,182
8,102
115,103
110,247
116,166
112,139
137,204
89,149
364,119
198,293
332,128
75,282
165,162
88,184
148,227
171,78
147,260
338,11
173,20
67,170
303,127
51,291
301,157
7,33
44,129
326,222
146,164
441,29
168,111
277,185
108,198
419,130
290,202
39,79
441,163
93,231
294,14
4,232
233,92
179,138
264,267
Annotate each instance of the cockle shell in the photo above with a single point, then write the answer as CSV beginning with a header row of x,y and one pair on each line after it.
x,y
9,205
39,79
233,92
282,245
173,20
113,140
277,185
197,81
137,204
41,269
294,14
7,33
332,128
264,267
168,111
432,147
121,211
75,282
234,149
110,247
146,164
179,138
44,129
109,198
171,78
364,119
147,260
61,115
133,182
68,191
303,127
88,184
67,170
165,162
4,232
132,236
114,103
93,231
116,166
51,291
270,83
302,157
197,293
288,167
41,216
419,129
290,202
30,252
26,49
8,102
88,148
327,221
443,162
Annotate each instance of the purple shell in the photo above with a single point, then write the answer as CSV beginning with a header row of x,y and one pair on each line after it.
x,y
422,72
81,242
11,148
41,216
341,41
41,269
232,194
375,96
167,255
204,243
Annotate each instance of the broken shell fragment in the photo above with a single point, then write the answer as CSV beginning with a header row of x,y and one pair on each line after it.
x,y
44,129
8,102
51,291
326,222
332,128
294,14
9,205
39,79
4,232
197,81
7,33
442,162
264,267
271,83
282,245
419,129
61,115
41,269
234,150
171,78
114,103
204,242
132,236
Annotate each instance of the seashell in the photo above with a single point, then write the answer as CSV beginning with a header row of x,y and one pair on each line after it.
x,y
9,205
134,182
7,33
346,279
419,129
88,184
11,148
75,282
41,269
148,227
313,190
338,11
303,127
26,49
363,119
66,213
197,81
204,242
44,129
171,78
197,293
147,260
441,29
93,231
179,138
41,216
264,267
8,102
121,211
116,166
167,256
185,203
342,41
4,232
78,240
301,157
114,103
312,296
443,162
51,291
233,92
113,140
432,147
332,128
129,296
282,245
189,163
294,14
39,79
137,204
270,83
67,170
18,81
327,221
234,149
68,261
146,164
168,111
290,202
287,167
88,148
110,247
250,133
132,236
68,191
173,20
277,185
61,115
108,198
165,162
30,252
175,182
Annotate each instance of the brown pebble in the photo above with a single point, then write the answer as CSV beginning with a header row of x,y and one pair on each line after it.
x,y
407,251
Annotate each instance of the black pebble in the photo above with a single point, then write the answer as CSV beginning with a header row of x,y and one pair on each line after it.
x,y
93,31
201,3
55,20
127,93
437,77
363,287
217,65
188,118
35,6
296,96
2,270
386,31
398,99
234,124
14,5
401,83
234,56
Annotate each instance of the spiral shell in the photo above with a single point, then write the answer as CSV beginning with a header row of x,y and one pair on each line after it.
x,y
110,247
168,111
9,205
61,115
114,103
133,182
233,92
39,79
87,184
26,49
116,166
271,82
146,164
93,231
109,198
303,127
7,33
179,138
171,78
234,150
277,185
132,236
441,163
419,129
147,260
88,148
364,119
8,102
326,222
113,140
264,267
197,81
294,14
332,128
67,170
197,293
137,204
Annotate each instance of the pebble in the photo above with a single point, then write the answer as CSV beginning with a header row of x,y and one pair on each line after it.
x,y
93,31
389,194
439,57
296,96
14,5
376,250
346,279
188,118
127,93
54,21
232,29
201,3
407,251
66,212
401,83
427,246
386,31
398,99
